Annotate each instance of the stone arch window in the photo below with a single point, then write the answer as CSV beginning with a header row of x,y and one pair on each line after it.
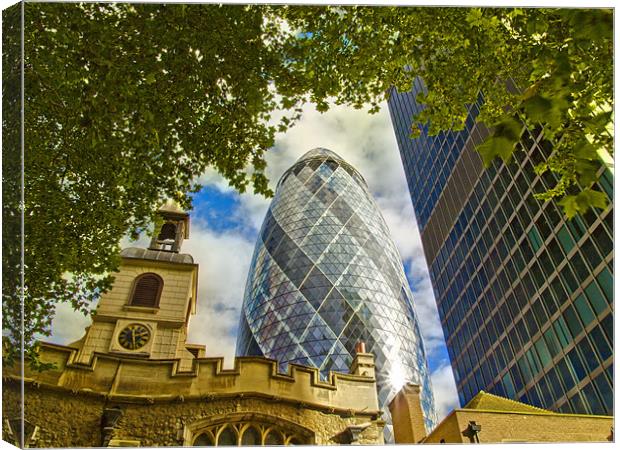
x,y
250,430
147,290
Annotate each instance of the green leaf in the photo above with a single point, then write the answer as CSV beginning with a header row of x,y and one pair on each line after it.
x,y
496,146
537,108
580,203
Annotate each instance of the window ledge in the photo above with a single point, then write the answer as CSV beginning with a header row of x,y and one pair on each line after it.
x,y
145,309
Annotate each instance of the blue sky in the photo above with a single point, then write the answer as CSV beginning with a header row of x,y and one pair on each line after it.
x,y
225,224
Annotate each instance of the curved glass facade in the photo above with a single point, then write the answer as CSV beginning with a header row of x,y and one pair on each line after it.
x,y
325,274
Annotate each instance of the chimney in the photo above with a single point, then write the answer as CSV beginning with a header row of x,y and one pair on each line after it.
x,y
407,416
363,363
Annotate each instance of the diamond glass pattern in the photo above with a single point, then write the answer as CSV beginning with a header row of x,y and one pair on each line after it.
x,y
325,275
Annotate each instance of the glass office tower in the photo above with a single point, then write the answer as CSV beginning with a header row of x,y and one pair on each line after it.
x,y
524,295
325,274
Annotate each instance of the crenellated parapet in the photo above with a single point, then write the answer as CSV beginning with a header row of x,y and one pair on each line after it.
x,y
126,378
124,400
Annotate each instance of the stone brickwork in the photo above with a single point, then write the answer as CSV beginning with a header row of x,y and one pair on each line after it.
x,y
64,419
167,323
497,427
74,420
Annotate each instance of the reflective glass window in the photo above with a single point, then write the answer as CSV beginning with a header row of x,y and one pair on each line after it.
x,y
606,280
565,239
596,297
570,282
578,405
552,342
576,364
554,382
562,332
525,369
602,239
543,352
579,266
554,250
599,342
606,392
593,400
587,355
508,386
608,326
590,253
574,325
566,374
583,310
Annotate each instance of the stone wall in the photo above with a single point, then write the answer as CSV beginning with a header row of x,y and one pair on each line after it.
x,y
67,419
500,427
64,419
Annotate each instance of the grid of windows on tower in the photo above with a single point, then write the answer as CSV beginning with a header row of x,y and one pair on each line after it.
x,y
524,294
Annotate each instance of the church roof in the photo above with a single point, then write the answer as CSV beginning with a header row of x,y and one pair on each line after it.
x,y
491,402
156,255
172,207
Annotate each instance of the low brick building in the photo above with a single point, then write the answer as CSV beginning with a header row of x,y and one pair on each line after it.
x,y
488,418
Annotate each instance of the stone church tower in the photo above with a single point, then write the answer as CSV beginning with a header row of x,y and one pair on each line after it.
x,y
147,311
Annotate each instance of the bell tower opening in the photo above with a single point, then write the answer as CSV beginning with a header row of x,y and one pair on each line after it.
x,y
171,227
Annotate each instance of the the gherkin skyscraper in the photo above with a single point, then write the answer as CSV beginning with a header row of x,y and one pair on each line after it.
x,y
325,274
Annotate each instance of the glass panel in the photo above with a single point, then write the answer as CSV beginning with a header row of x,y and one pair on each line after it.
x,y
596,298
606,281
574,325
554,382
552,342
227,437
587,355
606,392
569,279
508,386
583,309
578,404
562,331
204,440
593,400
579,267
251,436
576,364
565,239
543,352
565,374
274,438
597,338
534,238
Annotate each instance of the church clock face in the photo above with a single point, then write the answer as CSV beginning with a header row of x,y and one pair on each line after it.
x,y
134,336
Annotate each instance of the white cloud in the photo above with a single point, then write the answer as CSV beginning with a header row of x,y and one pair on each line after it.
x,y
425,307
224,260
68,325
444,390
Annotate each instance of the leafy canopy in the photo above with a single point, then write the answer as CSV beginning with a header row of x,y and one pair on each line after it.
x,y
126,104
